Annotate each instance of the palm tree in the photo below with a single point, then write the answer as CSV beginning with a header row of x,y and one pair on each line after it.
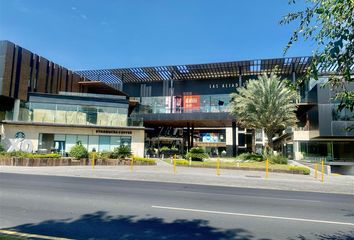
x,y
265,103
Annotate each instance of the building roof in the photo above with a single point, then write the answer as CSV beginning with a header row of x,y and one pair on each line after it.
x,y
101,88
285,66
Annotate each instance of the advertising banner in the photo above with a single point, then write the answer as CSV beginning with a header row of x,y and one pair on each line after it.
x,y
210,137
191,103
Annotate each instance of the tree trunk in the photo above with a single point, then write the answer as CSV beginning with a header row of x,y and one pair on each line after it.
x,y
254,140
270,135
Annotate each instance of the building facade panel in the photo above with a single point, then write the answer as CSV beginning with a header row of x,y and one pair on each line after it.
x,y
22,72
42,75
24,78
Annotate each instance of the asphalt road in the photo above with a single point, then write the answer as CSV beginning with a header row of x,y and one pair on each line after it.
x,y
82,208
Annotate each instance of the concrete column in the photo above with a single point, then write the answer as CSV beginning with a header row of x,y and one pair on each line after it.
x,y
296,150
172,92
293,74
188,137
16,110
192,136
234,144
239,77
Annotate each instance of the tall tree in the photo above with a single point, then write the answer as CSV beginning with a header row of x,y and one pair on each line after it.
x,y
265,103
330,24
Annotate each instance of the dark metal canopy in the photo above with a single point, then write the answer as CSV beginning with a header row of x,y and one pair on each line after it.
x,y
285,66
101,87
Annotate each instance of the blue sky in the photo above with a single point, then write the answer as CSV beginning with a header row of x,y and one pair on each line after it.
x,y
88,34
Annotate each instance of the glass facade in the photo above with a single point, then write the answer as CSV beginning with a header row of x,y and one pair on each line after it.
x,y
185,104
328,150
73,114
64,142
343,115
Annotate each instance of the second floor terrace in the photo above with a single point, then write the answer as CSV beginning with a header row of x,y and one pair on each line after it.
x,y
73,109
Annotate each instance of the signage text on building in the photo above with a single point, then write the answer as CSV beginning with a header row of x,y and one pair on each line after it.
x,y
20,144
122,132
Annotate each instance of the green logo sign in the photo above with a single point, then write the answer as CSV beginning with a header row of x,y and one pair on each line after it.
x,y
20,135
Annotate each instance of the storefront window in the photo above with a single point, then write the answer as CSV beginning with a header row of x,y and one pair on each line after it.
x,y
115,142
64,142
104,143
70,141
126,141
259,135
343,151
83,139
93,143
330,151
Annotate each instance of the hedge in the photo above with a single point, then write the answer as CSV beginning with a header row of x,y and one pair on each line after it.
x,y
147,160
304,170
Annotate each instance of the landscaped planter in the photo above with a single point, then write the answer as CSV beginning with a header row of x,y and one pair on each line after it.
x,y
112,162
41,162
249,169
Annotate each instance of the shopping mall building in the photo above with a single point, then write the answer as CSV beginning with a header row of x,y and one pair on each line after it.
x,y
153,107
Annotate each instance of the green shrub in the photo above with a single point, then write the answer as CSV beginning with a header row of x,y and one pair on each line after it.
x,y
30,155
16,154
148,160
78,151
174,150
182,162
267,153
250,156
2,149
151,151
121,152
36,155
304,170
101,155
164,149
168,151
197,154
278,159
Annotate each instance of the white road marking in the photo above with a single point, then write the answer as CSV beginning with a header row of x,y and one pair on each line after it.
x,y
253,215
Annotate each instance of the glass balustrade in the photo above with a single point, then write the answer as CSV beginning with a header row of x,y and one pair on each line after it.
x,y
186,104
74,114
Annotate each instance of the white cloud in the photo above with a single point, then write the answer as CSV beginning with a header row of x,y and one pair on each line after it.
x,y
73,8
83,16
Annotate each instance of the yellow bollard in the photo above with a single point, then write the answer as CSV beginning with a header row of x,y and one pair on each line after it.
x,y
316,168
132,164
267,166
218,167
174,163
322,179
93,160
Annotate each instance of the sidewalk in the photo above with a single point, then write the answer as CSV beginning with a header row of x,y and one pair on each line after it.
x,y
163,172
